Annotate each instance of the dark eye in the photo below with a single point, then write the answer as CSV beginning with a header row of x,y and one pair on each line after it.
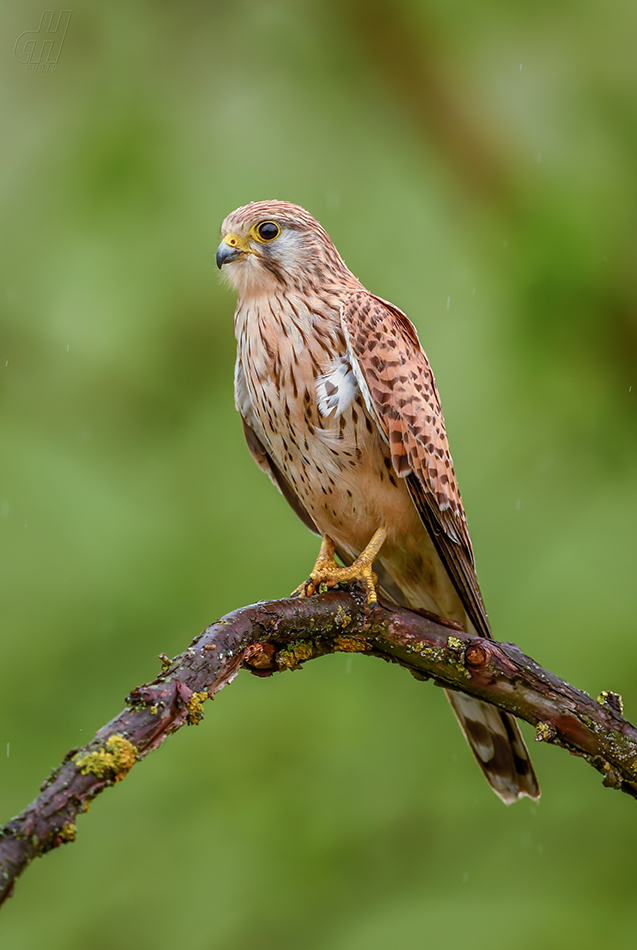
x,y
268,230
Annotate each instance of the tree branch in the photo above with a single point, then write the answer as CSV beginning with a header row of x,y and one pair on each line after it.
x,y
279,635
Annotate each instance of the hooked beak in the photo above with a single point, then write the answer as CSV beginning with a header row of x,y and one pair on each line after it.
x,y
231,248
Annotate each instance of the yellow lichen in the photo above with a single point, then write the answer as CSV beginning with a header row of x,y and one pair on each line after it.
x,y
457,646
295,654
614,700
342,618
114,761
195,708
350,645
67,832
544,732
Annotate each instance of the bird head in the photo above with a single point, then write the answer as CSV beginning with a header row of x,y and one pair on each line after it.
x,y
269,244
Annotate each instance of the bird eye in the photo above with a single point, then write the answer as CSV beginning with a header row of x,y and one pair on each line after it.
x,y
268,230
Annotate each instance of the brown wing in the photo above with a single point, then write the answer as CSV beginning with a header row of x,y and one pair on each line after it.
x,y
398,385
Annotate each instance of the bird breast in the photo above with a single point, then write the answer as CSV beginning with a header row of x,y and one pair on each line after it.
x,y
316,427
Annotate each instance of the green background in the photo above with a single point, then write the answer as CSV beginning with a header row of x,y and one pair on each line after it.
x,y
474,163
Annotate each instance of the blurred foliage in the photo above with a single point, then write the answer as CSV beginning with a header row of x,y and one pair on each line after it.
x,y
475,163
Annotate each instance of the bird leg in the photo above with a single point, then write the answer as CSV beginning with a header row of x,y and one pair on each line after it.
x,y
327,571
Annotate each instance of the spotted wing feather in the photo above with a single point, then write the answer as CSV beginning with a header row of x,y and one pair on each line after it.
x,y
399,387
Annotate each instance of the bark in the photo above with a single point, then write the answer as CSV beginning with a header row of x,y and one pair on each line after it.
x,y
280,635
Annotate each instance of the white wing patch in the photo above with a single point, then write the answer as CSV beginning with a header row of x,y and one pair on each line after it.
x,y
337,389
361,383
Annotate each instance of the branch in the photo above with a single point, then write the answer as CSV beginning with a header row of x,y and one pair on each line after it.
x,y
270,637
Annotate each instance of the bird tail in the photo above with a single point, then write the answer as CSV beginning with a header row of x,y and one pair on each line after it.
x,y
493,735
496,741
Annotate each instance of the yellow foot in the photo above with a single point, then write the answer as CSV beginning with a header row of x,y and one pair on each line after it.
x,y
327,571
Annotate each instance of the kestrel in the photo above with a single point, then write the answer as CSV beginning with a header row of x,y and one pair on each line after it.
x,y
340,408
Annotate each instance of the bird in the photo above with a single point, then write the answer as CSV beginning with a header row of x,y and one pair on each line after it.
x,y
340,408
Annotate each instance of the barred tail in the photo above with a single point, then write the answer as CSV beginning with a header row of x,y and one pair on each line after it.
x,y
496,742
493,735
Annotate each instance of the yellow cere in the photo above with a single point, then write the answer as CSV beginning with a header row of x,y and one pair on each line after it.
x,y
234,240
